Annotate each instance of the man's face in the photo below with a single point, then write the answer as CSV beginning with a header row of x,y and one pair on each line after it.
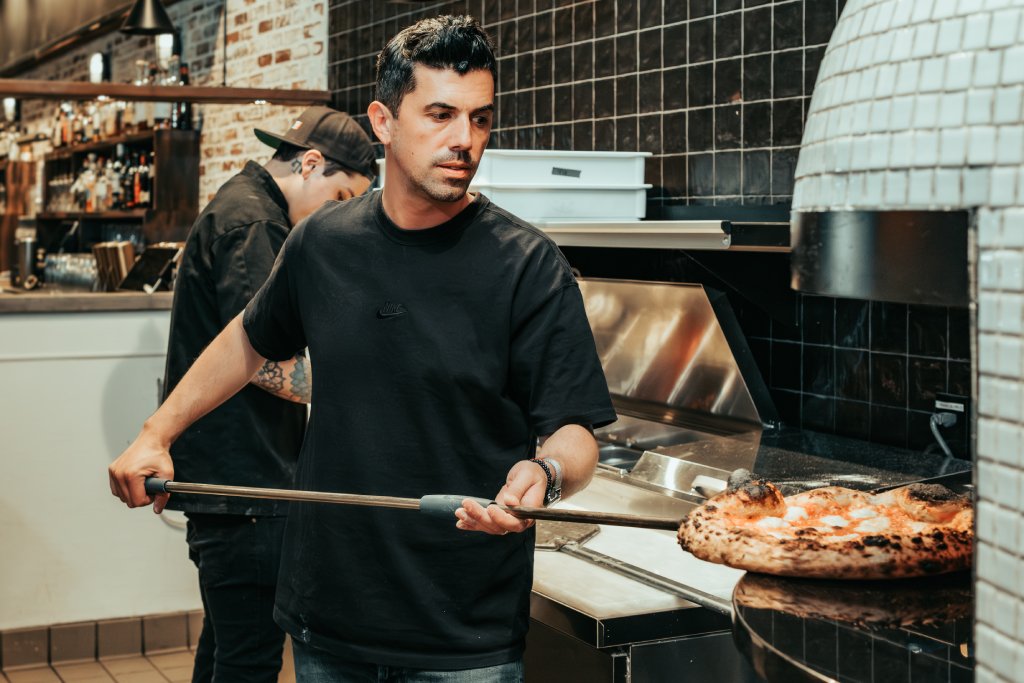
x,y
441,131
318,188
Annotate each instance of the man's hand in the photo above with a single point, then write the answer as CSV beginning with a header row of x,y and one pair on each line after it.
x,y
146,457
525,485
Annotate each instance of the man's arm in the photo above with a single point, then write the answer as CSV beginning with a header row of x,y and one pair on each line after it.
x,y
290,379
226,366
575,450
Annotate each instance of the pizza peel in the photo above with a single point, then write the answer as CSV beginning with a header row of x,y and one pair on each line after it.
x,y
436,505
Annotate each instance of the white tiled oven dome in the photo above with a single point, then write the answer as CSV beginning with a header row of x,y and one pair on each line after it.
x,y
919,104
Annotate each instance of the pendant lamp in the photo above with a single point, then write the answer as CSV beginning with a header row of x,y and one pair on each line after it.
x,y
147,17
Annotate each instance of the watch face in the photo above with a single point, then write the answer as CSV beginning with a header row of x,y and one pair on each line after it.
x,y
552,495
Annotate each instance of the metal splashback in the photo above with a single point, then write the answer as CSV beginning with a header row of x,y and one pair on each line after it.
x,y
675,353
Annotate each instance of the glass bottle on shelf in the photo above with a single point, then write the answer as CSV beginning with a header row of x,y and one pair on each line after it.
x,y
181,114
143,110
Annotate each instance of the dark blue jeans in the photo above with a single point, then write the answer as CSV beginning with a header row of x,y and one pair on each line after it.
x,y
237,558
313,665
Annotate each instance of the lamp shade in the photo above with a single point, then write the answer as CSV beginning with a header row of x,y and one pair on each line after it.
x,y
147,17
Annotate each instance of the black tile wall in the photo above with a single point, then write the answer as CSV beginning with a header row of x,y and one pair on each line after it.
x,y
717,91
741,71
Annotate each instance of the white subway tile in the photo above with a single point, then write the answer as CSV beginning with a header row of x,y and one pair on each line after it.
x,y
1004,186
969,6
976,31
990,227
851,87
988,270
1013,65
988,321
1006,656
1011,310
985,645
1009,356
947,187
926,145
879,146
920,191
922,11
860,155
907,76
902,113
1010,149
944,9
895,188
925,36
958,70
1012,228
880,114
951,109
855,189
866,84
837,190
873,186
885,83
1005,25
926,114
861,117
883,46
953,147
933,73
988,358
979,106
901,149
1006,538
1005,616
981,146
901,14
883,20
1006,571
841,148
1007,105
976,183
1020,616
986,519
986,68
1011,274
1009,408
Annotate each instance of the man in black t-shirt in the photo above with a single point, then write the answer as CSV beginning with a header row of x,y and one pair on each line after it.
x,y
253,439
448,337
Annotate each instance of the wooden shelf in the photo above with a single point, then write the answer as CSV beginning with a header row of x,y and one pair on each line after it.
x,y
106,143
78,90
127,214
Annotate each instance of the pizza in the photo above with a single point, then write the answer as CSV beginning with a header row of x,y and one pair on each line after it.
x,y
832,532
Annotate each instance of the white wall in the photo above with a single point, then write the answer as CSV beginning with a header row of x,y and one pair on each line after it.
x,y
74,390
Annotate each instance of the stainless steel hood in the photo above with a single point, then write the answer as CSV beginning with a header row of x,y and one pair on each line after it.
x,y
675,353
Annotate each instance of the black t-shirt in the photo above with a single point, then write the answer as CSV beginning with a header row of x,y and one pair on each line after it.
x,y
439,356
253,439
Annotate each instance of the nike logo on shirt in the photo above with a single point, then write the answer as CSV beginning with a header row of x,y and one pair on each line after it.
x,y
391,310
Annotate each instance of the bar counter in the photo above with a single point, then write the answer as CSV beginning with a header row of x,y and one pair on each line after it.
x,y
44,300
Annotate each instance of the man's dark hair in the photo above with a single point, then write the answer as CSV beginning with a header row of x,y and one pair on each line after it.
x,y
446,42
286,153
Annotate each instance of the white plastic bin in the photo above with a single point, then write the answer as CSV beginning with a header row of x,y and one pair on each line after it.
x,y
602,203
556,168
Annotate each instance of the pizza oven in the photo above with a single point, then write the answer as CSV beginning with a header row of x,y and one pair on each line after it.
x,y
692,408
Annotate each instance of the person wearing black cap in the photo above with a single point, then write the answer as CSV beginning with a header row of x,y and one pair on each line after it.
x,y
253,439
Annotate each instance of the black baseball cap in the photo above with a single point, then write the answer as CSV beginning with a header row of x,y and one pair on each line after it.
x,y
334,134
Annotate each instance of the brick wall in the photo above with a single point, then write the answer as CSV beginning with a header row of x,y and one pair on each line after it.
x,y
269,44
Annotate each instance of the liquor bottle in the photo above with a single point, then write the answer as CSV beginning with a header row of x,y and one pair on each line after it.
x,y
128,183
145,182
181,115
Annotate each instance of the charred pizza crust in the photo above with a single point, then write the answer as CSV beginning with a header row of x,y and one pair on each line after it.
x,y
833,532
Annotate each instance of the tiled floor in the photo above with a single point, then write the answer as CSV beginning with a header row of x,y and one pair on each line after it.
x,y
172,667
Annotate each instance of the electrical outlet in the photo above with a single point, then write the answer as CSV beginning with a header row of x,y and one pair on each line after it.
x,y
959,435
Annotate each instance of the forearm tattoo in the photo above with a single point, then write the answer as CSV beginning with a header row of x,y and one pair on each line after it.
x,y
297,386
301,387
270,377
